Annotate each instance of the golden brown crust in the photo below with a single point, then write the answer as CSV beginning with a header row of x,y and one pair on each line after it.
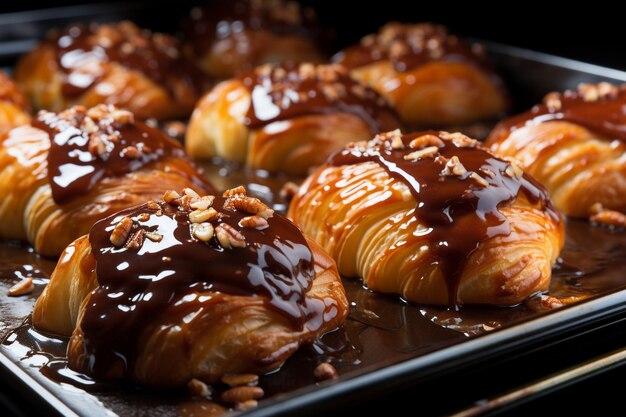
x,y
292,144
579,166
229,36
29,211
45,82
13,107
412,70
372,232
228,334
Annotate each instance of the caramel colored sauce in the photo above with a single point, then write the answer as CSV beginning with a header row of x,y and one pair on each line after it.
x,y
82,51
74,167
234,18
408,46
282,92
603,112
459,212
135,286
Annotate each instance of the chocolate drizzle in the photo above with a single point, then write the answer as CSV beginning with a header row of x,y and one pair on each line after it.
x,y
600,108
408,46
89,145
457,199
136,284
82,52
233,18
281,92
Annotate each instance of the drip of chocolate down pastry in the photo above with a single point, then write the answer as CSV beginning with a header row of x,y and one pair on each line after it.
x,y
407,46
458,186
281,92
82,50
88,145
600,108
170,254
225,18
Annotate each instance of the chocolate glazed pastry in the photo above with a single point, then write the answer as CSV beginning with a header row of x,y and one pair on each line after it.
x,y
575,144
190,287
229,35
117,64
286,118
433,217
13,107
432,77
66,171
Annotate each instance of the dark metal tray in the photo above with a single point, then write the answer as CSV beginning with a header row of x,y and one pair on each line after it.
x,y
387,344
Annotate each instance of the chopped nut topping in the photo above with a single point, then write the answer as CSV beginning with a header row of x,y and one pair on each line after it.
x,y
171,196
152,205
426,140
459,139
422,153
202,231
229,237
155,237
236,380
199,388
144,217
203,203
121,231
136,241
241,394
454,167
325,371
488,172
131,152
514,170
25,286
611,218
480,180
246,405
396,143
254,222
553,101
235,191
190,193
249,205
199,216
594,92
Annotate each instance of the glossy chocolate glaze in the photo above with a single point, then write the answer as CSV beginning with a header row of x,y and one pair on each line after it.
x,y
226,18
407,46
459,211
89,145
82,50
281,92
600,108
137,284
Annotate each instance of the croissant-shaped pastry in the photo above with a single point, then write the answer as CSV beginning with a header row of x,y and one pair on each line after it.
x,y
285,118
13,106
430,76
71,169
190,287
433,217
575,144
229,35
117,64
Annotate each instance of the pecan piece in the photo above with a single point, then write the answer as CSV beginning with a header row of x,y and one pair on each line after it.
x,y
254,222
25,286
202,231
325,371
229,237
121,231
241,394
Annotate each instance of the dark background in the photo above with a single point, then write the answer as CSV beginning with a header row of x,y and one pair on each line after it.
x,y
594,33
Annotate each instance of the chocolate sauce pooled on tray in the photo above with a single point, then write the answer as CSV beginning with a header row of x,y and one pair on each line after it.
x,y
88,145
281,92
163,264
458,186
599,107
225,18
81,51
408,46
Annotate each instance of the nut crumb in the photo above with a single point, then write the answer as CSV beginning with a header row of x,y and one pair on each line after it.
x,y
200,216
229,237
202,231
136,241
235,191
246,405
426,140
325,371
422,153
480,180
25,286
454,167
155,237
199,388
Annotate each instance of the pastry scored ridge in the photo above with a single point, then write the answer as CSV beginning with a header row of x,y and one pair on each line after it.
x,y
429,75
115,63
190,287
285,117
230,35
70,169
574,143
14,110
433,217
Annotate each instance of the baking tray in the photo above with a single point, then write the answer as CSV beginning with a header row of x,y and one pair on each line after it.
x,y
387,344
